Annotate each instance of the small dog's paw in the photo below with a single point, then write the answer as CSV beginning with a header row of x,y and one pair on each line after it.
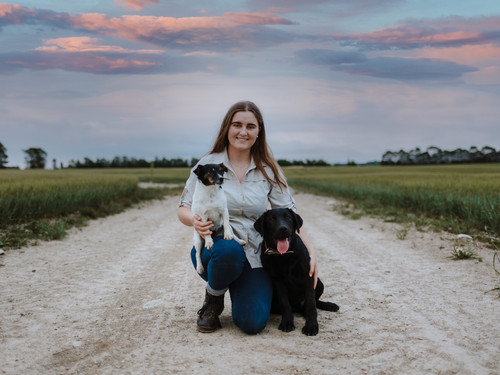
x,y
200,269
241,242
286,326
228,236
209,243
310,329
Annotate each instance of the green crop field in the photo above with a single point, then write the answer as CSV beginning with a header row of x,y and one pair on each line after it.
x,y
463,198
43,204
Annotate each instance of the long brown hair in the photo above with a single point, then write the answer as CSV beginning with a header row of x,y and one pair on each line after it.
x,y
260,151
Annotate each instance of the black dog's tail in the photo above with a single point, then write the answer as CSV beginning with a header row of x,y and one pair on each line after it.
x,y
328,306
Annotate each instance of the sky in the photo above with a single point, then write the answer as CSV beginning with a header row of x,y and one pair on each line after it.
x,y
343,80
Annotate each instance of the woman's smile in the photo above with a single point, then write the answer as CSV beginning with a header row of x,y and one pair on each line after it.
x,y
243,131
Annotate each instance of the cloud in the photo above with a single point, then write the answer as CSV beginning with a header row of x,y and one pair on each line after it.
x,y
232,31
443,32
483,55
135,4
338,8
98,62
86,44
405,69
329,57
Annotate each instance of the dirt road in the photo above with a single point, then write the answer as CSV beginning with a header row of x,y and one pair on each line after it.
x,y
120,297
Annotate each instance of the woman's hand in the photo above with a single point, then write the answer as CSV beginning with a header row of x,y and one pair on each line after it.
x,y
186,217
202,227
313,267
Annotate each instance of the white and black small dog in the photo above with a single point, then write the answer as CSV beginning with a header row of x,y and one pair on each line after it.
x,y
209,202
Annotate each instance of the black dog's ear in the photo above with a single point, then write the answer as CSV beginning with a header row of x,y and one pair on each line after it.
x,y
259,224
197,171
224,168
297,220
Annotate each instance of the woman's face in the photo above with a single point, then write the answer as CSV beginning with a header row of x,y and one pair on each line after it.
x,y
243,131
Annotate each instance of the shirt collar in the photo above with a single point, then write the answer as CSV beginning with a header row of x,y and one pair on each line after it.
x,y
227,163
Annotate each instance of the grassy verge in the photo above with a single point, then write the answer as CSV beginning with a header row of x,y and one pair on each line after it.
x,y
43,205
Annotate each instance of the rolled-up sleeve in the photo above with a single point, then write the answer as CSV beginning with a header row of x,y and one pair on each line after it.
x,y
186,199
280,197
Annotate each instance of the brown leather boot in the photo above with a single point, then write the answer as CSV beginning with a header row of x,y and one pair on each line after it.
x,y
208,315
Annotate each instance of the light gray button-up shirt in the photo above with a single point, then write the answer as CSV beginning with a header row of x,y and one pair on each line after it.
x,y
246,201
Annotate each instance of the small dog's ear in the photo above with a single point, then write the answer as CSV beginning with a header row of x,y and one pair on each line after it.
x,y
224,168
297,220
197,171
259,224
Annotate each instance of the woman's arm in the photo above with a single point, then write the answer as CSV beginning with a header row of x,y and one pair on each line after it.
x,y
186,217
313,270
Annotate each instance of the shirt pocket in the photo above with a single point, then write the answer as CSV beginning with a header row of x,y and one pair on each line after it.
x,y
256,196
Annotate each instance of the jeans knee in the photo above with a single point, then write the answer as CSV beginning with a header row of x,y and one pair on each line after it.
x,y
228,252
251,320
252,327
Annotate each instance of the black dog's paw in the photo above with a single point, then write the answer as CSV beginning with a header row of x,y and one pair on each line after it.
x,y
310,329
327,306
286,325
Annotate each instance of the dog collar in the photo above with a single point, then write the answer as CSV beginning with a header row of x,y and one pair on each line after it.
x,y
270,251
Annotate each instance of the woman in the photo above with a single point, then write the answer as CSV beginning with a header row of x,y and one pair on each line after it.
x,y
254,179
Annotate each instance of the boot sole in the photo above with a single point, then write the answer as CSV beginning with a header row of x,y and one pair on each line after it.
x,y
205,330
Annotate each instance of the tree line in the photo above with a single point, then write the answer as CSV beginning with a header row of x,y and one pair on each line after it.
x,y
36,158
434,155
125,162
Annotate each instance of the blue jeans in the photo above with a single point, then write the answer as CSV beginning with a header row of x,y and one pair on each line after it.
x,y
226,267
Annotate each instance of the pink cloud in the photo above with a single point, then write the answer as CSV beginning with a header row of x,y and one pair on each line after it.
x,y
82,62
135,4
445,32
246,18
86,44
149,25
14,13
231,31
487,54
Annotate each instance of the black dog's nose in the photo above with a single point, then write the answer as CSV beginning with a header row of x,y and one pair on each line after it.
x,y
283,230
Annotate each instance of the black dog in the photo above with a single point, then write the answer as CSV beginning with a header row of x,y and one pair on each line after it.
x,y
286,259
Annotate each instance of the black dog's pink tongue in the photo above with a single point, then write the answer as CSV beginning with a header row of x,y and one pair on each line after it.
x,y
283,246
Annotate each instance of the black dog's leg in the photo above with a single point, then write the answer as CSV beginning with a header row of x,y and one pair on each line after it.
x,y
286,324
328,306
311,327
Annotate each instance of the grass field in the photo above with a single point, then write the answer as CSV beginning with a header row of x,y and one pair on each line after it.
x,y
43,204
457,198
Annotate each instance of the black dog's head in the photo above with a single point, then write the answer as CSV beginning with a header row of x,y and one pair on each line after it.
x,y
211,174
277,226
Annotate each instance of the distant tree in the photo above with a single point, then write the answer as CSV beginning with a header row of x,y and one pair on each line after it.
x,y
3,155
35,158
193,162
284,163
489,154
